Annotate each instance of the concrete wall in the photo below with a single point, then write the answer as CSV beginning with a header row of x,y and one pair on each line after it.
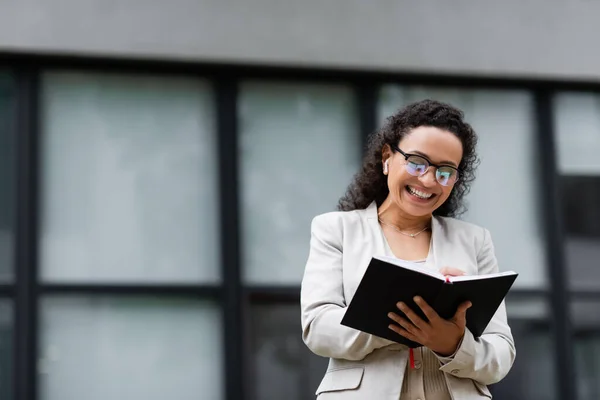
x,y
549,38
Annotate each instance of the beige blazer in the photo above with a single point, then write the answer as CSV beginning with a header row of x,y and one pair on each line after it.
x,y
363,366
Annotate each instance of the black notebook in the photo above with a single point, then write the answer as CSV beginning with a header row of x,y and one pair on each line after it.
x,y
388,280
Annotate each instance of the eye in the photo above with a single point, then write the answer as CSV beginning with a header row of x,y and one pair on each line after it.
x,y
417,163
446,175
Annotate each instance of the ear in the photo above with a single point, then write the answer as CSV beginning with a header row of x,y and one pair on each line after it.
x,y
386,154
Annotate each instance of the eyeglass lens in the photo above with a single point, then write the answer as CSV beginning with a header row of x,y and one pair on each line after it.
x,y
418,166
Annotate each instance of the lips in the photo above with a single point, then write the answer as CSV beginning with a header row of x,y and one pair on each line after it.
x,y
419,193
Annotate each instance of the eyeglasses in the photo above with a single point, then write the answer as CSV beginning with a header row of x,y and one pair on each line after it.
x,y
417,165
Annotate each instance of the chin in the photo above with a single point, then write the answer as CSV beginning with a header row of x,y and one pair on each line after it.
x,y
417,212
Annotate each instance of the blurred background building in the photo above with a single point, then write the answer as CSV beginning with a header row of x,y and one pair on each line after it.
x,y
160,163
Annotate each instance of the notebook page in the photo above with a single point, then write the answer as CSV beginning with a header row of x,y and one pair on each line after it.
x,y
476,277
411,266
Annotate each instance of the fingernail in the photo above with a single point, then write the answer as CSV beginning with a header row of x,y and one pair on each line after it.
x,y
390,315
400,305
417,299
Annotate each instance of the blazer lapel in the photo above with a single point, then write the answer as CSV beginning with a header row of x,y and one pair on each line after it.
x,y
451,248
436,246
376,237
372,220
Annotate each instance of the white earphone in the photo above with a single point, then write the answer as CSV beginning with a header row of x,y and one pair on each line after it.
x,y
385,167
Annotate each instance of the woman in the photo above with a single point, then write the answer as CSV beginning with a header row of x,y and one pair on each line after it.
x,y
415,175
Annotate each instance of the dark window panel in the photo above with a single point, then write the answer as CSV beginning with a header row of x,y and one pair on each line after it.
x,y
281,366
581,215
6,350
7,175
581,205
582,255
534,363
529,321
586,321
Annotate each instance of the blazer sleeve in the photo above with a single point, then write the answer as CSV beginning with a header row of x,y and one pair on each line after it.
x,y
322,297
489,358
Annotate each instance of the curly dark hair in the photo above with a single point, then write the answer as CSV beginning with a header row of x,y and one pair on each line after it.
x,y
370,184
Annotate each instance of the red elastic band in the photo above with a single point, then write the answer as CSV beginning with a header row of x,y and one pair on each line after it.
x,y
448,279
411,356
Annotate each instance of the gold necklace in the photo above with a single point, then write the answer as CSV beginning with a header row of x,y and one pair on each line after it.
x,y
412,235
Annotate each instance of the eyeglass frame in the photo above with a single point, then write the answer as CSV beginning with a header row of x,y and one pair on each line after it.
x,y
430,164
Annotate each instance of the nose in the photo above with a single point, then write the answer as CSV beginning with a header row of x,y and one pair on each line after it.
x,y
428,178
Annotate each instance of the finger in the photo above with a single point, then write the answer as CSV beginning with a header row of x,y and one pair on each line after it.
x,y
461,311
403,332
427,310
403,322
449,271
412,316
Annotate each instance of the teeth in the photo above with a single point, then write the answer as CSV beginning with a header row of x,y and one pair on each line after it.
x,y
418,193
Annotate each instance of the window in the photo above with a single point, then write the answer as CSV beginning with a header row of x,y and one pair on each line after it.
x,y
129,195
128,213
299,148
99,348
509,169
129,180
7,176
578,145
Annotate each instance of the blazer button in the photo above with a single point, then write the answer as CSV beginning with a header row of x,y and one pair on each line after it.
x,y
454,371
417,364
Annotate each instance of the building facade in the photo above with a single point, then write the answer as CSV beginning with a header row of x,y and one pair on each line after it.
x,y
160,164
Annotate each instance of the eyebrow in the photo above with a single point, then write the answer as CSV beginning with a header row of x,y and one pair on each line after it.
x,y
446,162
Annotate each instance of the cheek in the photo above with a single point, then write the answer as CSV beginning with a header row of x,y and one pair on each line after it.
x,y
397,180
446,191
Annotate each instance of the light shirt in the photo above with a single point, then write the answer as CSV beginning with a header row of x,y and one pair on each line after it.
x,y
425,381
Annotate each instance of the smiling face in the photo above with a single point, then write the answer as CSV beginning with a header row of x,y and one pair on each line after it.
x,y
421,195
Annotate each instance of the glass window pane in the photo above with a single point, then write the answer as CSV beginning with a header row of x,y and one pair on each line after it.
x,y
503,120
578,145
535,362
129,179
586,321
6,349
582,255
99,348
300,146
282,367
577,120
7,175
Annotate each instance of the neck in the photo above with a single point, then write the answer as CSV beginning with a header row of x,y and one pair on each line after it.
x,y
390,213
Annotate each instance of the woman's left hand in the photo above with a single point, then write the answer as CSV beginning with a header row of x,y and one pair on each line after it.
x,y
439,335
